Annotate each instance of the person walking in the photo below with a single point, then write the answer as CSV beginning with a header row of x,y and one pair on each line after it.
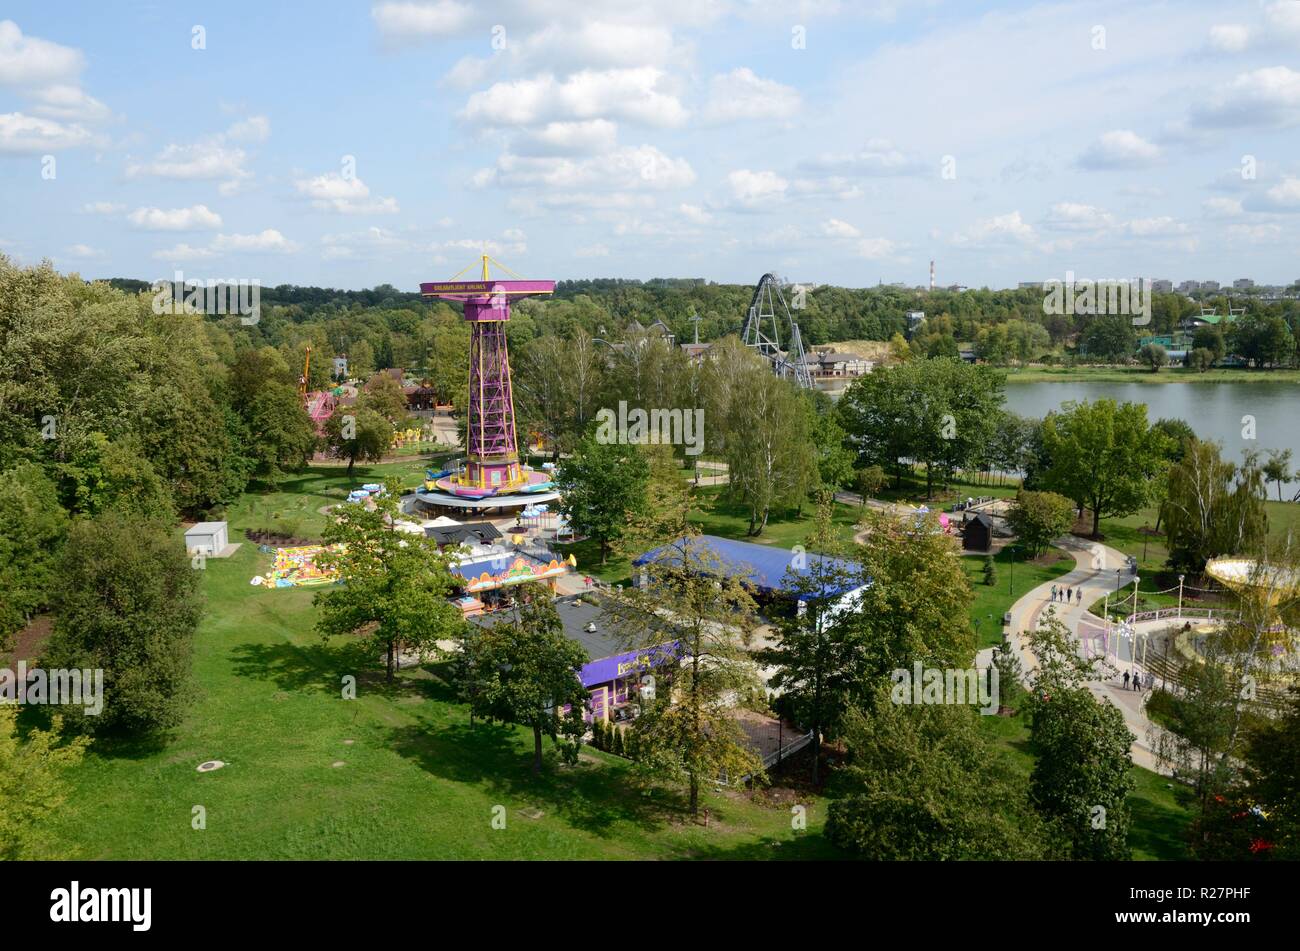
x,y
1053,592
1126,680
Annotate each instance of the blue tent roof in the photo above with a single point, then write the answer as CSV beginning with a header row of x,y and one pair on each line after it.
x,y
763,566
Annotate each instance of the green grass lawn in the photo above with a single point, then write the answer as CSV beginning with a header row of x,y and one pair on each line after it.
x,y
415,780
398,772
992,601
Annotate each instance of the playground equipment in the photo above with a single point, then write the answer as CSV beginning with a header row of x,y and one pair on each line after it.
x,y
492,469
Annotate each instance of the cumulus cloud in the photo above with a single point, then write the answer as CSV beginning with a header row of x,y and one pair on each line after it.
x,y
1118,149
1268,97
405,22
269,240
1221,207
195,218
628,168
630,94
183,252
569,138
750,187
23,134
835,228
204,161
48,74
740,94
1229,37
345,195
1000,229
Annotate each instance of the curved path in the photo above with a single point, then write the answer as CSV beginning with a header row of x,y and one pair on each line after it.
x,y
1094,572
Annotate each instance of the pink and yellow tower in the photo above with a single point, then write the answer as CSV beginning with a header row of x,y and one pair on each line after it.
x,y
492,449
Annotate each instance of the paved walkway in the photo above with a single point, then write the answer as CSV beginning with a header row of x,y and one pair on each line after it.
x,y
1094,572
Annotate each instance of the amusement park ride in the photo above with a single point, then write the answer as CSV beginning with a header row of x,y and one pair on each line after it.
x,y
763,329
493,475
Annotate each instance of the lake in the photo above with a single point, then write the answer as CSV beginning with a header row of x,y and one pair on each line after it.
x,y
1213,410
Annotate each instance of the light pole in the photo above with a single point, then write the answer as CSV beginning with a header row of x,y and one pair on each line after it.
x,y
1011,587
1180,597
1136,579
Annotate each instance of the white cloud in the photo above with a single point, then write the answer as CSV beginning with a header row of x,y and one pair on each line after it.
x,y
1268,97
694,214
485,246
48,74
999,229
103,208
204,161
740,94
875,249
1119,148
32,135
65,101
347,196
1075,216
1221,207
592,251
31,61
269,240
252,129
1284,196
195,218
368,242
1229,37
630,94
183,252
404,22
84,251
835,228
880,158
749,187
628,168
564,138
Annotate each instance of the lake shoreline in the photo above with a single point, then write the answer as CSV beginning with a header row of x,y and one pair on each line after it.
x,y
1141,375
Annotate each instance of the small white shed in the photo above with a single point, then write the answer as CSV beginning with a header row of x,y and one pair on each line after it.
x,y
207,537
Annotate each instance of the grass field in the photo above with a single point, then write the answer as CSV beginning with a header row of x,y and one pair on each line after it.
x,y
414,780
992,601
399,773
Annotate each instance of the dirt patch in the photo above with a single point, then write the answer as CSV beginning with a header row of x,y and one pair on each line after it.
x,y
30,640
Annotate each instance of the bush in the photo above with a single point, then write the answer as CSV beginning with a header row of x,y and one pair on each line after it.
x,y
990,571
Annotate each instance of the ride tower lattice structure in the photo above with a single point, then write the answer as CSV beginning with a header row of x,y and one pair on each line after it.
x,y
492,448
763,329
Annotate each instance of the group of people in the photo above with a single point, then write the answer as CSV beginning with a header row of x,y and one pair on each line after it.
x,y
1139,681
1066,595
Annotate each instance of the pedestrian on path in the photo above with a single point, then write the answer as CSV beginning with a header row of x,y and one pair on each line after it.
x,y
1053,592
1081,596
1069,595
1126,680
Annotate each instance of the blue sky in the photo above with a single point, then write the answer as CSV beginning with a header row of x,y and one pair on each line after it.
x,y
351,144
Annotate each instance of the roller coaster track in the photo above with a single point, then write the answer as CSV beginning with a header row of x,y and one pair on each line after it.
x,y
768,319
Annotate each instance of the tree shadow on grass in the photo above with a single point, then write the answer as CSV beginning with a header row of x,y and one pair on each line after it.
x,y
593,796
300,667
807,846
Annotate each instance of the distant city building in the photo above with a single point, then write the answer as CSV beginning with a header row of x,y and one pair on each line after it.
x,y
1162,286
1186,287
1243,283
915,318
1027,285
1209,285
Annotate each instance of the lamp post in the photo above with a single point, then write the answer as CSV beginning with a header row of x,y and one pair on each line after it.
x,y
1180,597
1011,587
